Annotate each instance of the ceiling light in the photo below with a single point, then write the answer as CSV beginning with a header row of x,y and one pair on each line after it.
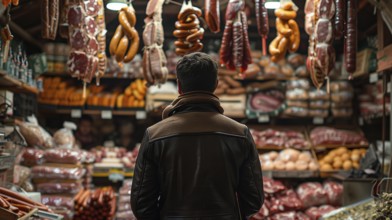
x,y
116,5
272,5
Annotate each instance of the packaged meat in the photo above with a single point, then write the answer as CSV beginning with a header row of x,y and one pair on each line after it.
x,y
58,201
312,194
34,134
266,101
57,172
297,94
58,187
319,104
64,138
298,84
340,86
271,69
334,192
296,60
301,71
287,70
32,157
342,96
342,105
296,112
318,94
272,186
67,156
327,135
285,201
316,213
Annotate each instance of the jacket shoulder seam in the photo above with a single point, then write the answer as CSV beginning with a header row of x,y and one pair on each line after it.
x,y
242,136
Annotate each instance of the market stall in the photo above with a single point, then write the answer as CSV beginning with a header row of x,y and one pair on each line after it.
x,y
80,81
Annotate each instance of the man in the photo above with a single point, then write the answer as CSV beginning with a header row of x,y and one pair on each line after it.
x,y
197,163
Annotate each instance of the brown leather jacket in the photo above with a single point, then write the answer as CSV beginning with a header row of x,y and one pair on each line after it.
x,y
197,164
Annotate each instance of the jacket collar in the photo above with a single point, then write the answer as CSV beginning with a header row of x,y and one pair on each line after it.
x,y
192,99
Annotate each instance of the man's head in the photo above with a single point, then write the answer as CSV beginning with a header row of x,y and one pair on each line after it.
x,y
197,72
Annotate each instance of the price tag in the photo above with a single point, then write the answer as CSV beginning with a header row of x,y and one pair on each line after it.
x,y
263,119
141,115
360,121
373,78
115,177
76,113
318,121
106,114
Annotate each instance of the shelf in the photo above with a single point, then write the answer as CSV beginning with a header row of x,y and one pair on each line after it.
x,y
89,111
384,57
106,76
9,83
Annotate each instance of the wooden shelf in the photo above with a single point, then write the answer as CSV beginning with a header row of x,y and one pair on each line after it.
x,y
89,111
9,83
384,57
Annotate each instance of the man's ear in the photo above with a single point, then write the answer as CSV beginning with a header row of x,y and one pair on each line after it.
x,y
179,87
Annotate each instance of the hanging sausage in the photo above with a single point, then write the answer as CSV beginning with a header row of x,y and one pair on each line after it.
x,y
235,51
288,32
188,30
125,41
262,22
154,59
212,15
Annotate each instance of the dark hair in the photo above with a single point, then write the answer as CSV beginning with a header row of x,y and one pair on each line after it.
x,y
197,72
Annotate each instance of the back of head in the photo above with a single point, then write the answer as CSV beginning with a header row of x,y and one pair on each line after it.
x,y
197,72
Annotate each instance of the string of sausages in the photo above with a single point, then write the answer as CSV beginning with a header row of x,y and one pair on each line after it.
x,y
262,22
235,48
154,59
212,15
18,204
288,32
98,204
50,18
188,30
321,53
125,41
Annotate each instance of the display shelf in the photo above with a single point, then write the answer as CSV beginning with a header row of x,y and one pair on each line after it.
x,y
89,111
291,174
15,85
384,57
106,76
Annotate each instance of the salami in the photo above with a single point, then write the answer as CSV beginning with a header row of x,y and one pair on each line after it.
x,y
350,43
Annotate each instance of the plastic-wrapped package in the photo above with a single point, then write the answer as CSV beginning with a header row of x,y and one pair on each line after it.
x,y
64,137
327,135
322,104
298,84
287,70
59,155
288,155
272,186
56,187
296,60
340,86
271,69
301,71
335,192
58,201
342,96
87,157
318,94
297,94
32,157
286,201
21,174
34,134
312,194
316,213
296,112
57,172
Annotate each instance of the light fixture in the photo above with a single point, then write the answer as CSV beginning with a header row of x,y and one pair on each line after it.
x,y
116,5
272,4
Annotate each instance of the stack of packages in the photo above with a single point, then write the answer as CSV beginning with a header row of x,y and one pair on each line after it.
x,y
124,211
59,179
309,201
371,100
297,94
319,103
341,98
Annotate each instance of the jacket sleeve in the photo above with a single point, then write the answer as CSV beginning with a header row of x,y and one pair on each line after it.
x,y
145,185
250,191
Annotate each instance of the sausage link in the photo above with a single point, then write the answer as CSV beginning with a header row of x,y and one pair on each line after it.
x,y
351,36
339,18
